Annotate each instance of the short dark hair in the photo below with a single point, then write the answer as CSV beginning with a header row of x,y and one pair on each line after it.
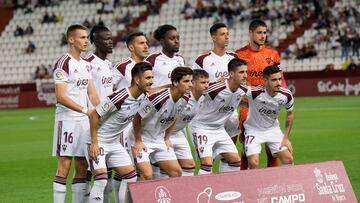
x,y
269,70
72,28
255,24
215,27
197,73
139,68
180,72
234,63
97,29
161,31
130,37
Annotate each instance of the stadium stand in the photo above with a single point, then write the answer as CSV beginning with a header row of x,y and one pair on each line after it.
x,y
284,24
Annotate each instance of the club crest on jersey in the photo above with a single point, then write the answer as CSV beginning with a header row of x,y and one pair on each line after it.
x,y
98,69
105,107
147,108
64,146
76,71
59,76
268,60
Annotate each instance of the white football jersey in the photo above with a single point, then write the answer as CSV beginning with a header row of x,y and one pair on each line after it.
x,y
77,76
116,112
187,113
158,112
215,65
264,109
101,74
218,105
122,73
163,66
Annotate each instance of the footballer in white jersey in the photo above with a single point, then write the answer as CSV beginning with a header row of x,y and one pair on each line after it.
x,y
163,66
106,124
208,126
262,125
178,136
214,64
155,116
101,72
73,87
122,73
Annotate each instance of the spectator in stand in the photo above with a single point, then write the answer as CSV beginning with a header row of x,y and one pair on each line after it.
x,y
41,72
200,9
18,31
29,30
30,48
356,45
186,6
63,40
46,18
345,45
101,22
87,24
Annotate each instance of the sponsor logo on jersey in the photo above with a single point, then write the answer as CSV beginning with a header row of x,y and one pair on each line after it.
x,y
224,74
226,109
268,112
129,118
106,80
255,73
166,121
187,118
82,82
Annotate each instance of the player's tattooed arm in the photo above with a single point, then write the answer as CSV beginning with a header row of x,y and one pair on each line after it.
x,y
288,125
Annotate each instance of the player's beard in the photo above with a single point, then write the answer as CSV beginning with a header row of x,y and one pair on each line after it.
x,y
175,50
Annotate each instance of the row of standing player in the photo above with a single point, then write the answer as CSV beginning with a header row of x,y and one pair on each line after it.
x,y
169,40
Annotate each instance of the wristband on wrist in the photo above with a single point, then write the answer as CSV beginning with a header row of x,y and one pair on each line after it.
x,y
84,110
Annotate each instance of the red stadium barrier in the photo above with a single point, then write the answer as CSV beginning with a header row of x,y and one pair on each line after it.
x,y
316,182
320,83
39,94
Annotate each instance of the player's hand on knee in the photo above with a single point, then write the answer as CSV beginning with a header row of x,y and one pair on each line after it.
x,y
94,151
286,143
138,147
168,144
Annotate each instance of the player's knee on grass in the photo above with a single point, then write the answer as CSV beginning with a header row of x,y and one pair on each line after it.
x,y
285,157
207,161
231,157
186,163
253,161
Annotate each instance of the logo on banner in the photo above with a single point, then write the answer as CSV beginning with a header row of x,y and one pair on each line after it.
x,y
229,195
204,196
329,184
162,195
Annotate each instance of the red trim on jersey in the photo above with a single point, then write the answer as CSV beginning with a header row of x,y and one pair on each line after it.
x,y
200,59
243,88
186,97
256,93
59,133
287,94
89,58
215,88
151,59
118,97
63,63
121,67
158,99
232,54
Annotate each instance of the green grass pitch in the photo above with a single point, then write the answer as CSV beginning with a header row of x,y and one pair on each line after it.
x,y
325,128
